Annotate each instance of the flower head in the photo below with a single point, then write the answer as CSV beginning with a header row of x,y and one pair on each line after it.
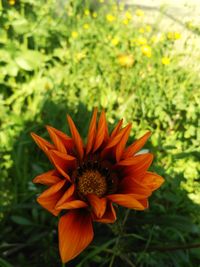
x,y
146,50
87,179
126,60
110,18
165,60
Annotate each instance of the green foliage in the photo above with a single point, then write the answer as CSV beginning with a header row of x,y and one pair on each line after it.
x,y
59,57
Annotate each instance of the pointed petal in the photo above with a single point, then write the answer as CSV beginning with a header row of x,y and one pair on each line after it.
x,y
72,204
152,180
47,178
67,195
76,137
65,139
91,132
135,166
102,132
136,146
64,163
75,234
49,198
128,185
56,140
117,129
98,204
127,201
42,143
121,145
109,215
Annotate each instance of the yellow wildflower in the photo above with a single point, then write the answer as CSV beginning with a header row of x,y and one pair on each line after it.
x,y
126,60
177,35
141,40
146,50
110,18
165,60
80,55
139,13
121,7
94,14
86,26
154,39
115,41
128,15
141,30
148,28
101,1
125,21
74,34
87,12
173,35
11,2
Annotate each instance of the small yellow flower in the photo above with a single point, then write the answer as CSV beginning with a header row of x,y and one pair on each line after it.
x,y
110,18
11,2
165,60
87,12
139,13
128,15
126,60
80,55
115,41
154,39
146,50
94,14
74,34
177,35
101,1
125,21
86,26
141,30
121,7
141,40
148,28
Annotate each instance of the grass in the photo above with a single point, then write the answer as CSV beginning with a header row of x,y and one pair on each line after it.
x,y
67,58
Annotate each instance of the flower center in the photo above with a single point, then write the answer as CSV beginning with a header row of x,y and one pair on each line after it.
x,y
92,182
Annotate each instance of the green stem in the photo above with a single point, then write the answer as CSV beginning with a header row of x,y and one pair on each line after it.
x,y
63,264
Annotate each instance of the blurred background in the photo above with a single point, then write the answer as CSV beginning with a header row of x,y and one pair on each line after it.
x,y
139,60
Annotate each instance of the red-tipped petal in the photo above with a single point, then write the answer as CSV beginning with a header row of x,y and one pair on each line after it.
x,y
128,185
127,201
66,140
136,146
121,145
64,163
42,143
76,137
102,132
47,178
109,215
49,198
152,180
91,132
75,234
117,129
98,204
56,140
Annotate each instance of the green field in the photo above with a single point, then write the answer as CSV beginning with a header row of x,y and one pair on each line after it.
x,y
67,57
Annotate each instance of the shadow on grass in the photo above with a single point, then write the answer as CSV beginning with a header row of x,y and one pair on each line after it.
x,y
30,233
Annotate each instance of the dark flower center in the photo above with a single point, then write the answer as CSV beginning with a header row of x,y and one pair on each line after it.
x,y
95,177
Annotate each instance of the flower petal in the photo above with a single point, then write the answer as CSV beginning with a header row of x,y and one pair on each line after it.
x,y
127,201
67,195
56,140
42,143
76,137
136,146
117,129
64,163
98,204
152,180
72,204
47,178
49,198
121,145
65,139
75,234
109,215
91,132
129,185
102,132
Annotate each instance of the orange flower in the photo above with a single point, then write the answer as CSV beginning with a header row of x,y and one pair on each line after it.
x,y
87,179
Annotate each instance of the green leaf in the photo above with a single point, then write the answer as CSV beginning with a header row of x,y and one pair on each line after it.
x,y
4,263
20,220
